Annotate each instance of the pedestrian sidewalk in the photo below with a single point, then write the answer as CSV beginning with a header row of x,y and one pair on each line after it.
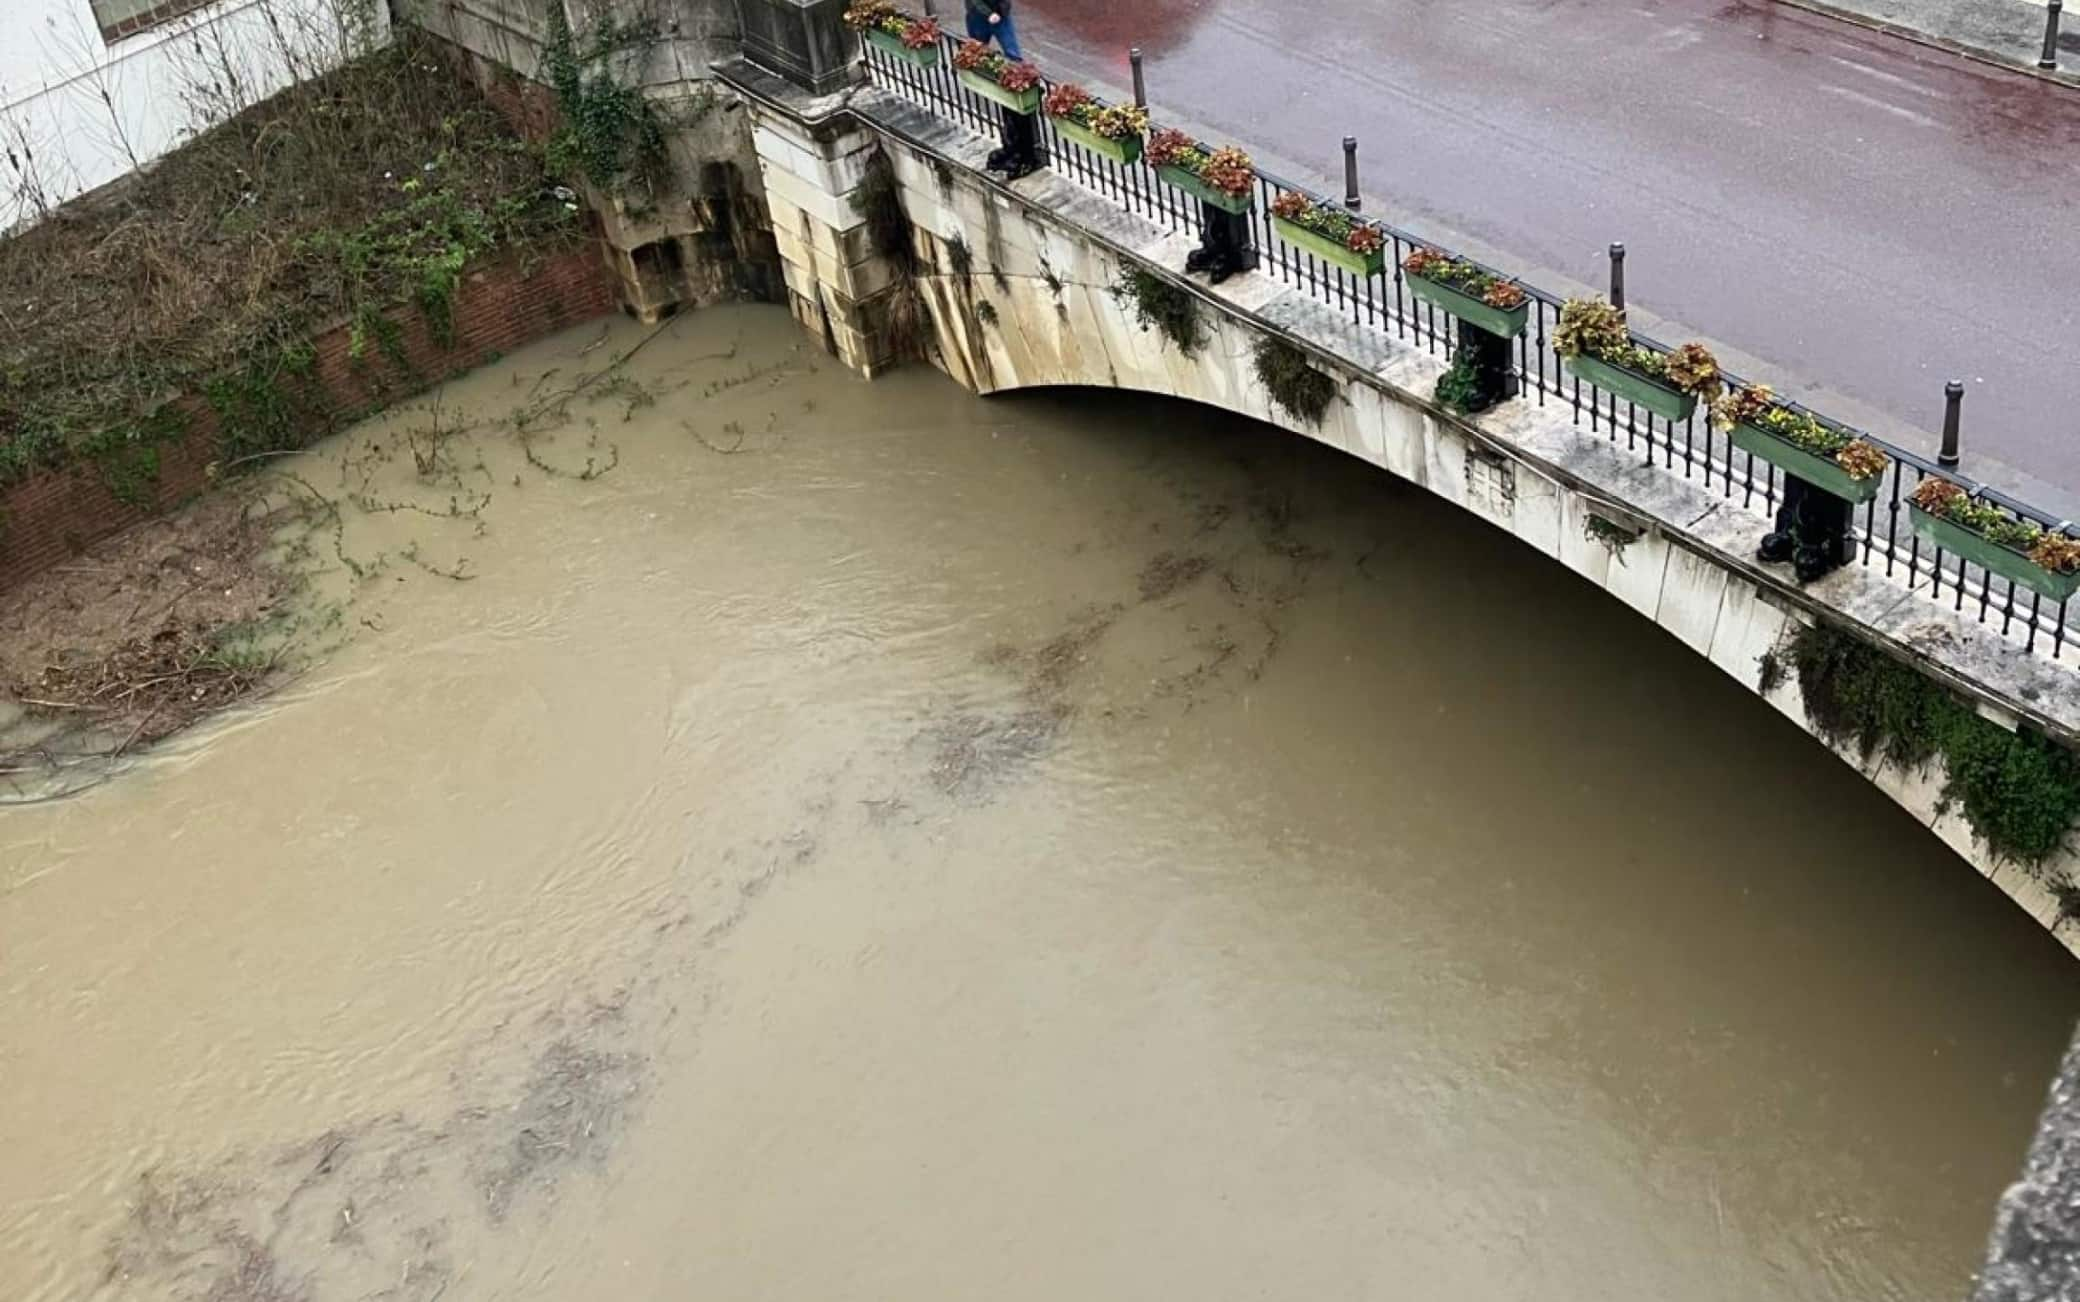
x,y
2004,31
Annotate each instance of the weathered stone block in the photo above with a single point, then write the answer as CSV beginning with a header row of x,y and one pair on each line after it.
x,y
804,41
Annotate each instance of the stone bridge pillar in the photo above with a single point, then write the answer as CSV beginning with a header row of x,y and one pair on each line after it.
x,y
818,164
804,41
839,283
2034,1252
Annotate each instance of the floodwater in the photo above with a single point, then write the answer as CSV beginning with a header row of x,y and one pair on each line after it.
x,y
868,842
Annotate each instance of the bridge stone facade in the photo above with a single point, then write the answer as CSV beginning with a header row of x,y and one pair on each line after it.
x,y
1016,285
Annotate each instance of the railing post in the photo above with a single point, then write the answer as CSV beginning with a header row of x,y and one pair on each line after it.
x,y
1953,405
1618,276
1140,78
1350,173
2048,60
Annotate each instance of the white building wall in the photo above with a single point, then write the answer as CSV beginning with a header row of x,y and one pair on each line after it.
x,y
77,112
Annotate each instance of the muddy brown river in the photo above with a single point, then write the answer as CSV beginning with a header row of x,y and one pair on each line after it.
x,y
862,841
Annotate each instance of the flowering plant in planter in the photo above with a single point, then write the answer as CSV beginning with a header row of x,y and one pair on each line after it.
x,y
1002,80
1112,121
1011,74
2043,560
1112,130
1224,177
1332,233
1498,306
1817,451
884,25
1466,277
1594,342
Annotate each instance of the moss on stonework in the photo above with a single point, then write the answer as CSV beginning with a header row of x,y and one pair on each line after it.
x,y
2020,791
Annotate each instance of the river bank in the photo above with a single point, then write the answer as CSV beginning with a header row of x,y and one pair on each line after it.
x,y
802,837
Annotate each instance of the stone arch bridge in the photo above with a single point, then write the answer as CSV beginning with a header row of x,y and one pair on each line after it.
x,y
894,236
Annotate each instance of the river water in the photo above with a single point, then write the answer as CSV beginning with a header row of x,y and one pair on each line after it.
x,y
869,842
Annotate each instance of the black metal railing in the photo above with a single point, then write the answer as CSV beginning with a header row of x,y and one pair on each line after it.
x,y
1690,448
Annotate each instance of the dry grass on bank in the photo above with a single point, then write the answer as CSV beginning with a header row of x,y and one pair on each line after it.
x,y
358,188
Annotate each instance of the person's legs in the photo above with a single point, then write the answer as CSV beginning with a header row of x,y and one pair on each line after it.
x,y
979,28
1007,36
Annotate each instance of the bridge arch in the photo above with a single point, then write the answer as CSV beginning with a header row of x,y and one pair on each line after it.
x,y
1019,287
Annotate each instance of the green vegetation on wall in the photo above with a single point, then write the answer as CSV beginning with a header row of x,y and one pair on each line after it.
x,y
129,454
1161,304
2019,790
609,128
418,251
339,199
270,404
1293,383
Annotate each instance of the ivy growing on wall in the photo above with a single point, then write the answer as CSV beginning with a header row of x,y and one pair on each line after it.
x,y
609,128
2020,791
339,198
421,248
128,453
1160,304
1294,384
269,404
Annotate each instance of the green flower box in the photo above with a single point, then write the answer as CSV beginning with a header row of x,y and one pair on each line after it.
x,y
1508,322
1981,550
1018,101
1190,183
1127,149
925,56
1361,264
1668,403
1814,469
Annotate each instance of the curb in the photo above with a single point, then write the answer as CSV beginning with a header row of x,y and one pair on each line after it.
x,y
1978,54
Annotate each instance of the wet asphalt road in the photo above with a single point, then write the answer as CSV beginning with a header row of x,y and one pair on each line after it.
x,y
1856,217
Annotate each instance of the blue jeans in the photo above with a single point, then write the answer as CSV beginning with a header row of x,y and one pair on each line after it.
x,y
980,28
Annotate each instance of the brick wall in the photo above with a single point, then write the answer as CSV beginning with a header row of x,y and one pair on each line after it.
x,y
528,107
502,305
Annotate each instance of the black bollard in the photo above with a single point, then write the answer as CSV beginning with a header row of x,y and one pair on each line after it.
x,y
1618,276
1020,154
1225,244
1953,404
2048,60
1812,531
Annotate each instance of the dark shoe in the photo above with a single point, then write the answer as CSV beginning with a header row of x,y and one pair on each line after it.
x,y
1776,547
